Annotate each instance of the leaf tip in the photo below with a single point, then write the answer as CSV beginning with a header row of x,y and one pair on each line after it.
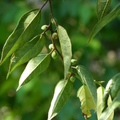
x,y
18,88
88,41
7,76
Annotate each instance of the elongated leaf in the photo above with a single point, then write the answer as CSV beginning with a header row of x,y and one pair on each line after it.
x,y
26,52
65,44
34,67
115,104
116,87
108,88
61,94
112,114
103,7
88,80
22,33
100,105
108,18
100,93
87,102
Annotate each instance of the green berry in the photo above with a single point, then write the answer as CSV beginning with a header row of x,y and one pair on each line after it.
x,y
73,61
51,46
44,27
54,36
54,54
52,21
72,79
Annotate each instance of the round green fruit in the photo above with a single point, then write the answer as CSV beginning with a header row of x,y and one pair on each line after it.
x,y
72,79
44,27
54,36
73,61
54,54
51,47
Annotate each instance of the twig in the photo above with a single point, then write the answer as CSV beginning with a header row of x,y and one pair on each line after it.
x,y
44,4
51,13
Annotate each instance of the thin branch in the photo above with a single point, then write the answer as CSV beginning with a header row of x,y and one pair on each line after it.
x,y
45,30
44,4
56,48
51,13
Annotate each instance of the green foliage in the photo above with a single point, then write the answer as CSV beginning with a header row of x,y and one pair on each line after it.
x,y
86,99
26,52
88,80
23,32
116,103
103,7
65,48
24,45
104,21
34,67
61,94
116,85
100,104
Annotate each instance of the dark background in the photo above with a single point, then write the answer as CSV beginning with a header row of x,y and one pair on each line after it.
x,y
101,57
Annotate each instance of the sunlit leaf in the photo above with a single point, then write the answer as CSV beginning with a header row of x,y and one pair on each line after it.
x,y
34,67
26,52
66,48
112,114
105,20
110,109
103,7
61,94
87,102
87,79
100,105
22,33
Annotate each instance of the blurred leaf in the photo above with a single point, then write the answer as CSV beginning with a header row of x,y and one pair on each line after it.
x,y
61,94
26,52
100,105
34,67
105,20
88,80
110,109
87,102
65,44
22,33
116,86
108,88
103,7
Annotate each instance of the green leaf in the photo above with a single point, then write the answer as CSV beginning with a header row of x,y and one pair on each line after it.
x,y
105,20
87,102
100,93
112,114
103,7
116,86
22,33
66,48
88,80
100,105
61,95
26,52
34,67
110,109
108,88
